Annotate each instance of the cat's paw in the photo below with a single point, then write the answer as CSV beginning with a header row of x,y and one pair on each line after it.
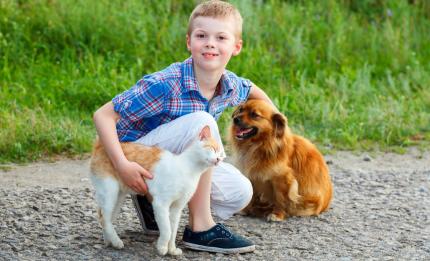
x,y
175,251
162,246
117,243
162,250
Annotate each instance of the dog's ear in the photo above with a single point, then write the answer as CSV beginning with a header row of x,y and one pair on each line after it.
x,y
279,124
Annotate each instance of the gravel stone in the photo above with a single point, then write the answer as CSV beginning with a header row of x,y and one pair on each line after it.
x,y
367,158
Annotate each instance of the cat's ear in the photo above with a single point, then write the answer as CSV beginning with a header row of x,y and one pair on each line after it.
x,y
205,133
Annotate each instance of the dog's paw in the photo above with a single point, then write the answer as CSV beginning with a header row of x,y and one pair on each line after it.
x,y
175,251
274,218
242,213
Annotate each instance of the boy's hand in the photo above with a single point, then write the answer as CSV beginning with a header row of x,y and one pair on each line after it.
x,y
132,175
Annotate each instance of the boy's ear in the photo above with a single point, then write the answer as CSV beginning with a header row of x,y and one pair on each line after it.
x,y
188,42
237,47
205,133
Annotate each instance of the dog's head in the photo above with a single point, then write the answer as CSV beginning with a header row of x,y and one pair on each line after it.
x,y
256,120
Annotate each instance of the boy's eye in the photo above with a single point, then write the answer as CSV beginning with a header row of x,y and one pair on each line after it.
x,y
200,35
222,37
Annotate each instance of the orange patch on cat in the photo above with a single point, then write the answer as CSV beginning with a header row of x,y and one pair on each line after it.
x,y
145,156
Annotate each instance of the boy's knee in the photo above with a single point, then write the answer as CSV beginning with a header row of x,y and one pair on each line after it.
x,y
191,125
203,118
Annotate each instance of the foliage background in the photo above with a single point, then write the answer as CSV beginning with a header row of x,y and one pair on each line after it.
x,y
349,74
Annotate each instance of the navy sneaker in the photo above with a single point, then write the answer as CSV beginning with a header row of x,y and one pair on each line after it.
x,y
145,212
218,239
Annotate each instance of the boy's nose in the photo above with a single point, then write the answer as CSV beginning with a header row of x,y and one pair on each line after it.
x,y
210,43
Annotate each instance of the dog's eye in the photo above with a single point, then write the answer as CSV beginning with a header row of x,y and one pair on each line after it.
x,y
254,115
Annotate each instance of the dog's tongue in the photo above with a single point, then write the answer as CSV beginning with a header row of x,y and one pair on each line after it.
x,y
241,132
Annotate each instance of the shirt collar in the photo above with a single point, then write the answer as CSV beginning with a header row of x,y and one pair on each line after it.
x,y
226,86
190,81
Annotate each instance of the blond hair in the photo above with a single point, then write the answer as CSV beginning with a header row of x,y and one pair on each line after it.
x,y
216,9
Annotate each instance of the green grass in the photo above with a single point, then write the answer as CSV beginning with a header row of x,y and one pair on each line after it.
x,y
348,74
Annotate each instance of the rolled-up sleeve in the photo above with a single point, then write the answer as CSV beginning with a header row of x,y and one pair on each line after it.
x,y
143,100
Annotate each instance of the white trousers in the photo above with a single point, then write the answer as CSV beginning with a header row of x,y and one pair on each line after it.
x,y
231,191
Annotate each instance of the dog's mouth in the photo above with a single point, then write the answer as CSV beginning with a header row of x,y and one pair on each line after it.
x,y
245,133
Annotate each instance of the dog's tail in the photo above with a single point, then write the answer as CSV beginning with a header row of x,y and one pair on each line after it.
x,y
308,206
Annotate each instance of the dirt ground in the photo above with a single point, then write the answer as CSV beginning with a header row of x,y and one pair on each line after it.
x,y
380,210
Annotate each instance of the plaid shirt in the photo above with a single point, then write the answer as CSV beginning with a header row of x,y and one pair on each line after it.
x,y
163,96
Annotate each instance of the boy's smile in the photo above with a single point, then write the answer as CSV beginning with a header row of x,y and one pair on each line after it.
x,y
209,55
212,43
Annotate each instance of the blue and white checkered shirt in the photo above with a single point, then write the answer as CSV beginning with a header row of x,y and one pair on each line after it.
x,y
163,96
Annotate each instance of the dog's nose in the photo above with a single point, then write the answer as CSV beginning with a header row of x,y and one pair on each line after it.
x,y
236,120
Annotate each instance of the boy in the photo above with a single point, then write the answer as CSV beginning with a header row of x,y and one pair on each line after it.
x,y
168,108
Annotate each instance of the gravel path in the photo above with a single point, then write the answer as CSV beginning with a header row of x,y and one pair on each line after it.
x,y
381,210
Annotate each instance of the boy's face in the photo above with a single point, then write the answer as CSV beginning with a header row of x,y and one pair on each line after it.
x,y
212,42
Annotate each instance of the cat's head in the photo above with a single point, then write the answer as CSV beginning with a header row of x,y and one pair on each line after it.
x,y
212,152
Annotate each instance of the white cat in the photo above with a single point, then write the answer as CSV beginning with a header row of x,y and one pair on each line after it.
x,y
175,179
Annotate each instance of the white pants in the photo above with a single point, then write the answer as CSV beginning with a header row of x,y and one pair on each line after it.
x,y
231,191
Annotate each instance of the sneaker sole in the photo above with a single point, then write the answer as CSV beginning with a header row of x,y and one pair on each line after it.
x,y
220,250
146,231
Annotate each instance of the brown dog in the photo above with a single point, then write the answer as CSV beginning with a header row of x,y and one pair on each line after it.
x,y
288,173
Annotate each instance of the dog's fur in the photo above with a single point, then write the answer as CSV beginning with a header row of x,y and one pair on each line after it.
x,y
288,173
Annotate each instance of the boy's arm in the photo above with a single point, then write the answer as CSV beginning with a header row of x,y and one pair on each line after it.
x,y
131,173
257,93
